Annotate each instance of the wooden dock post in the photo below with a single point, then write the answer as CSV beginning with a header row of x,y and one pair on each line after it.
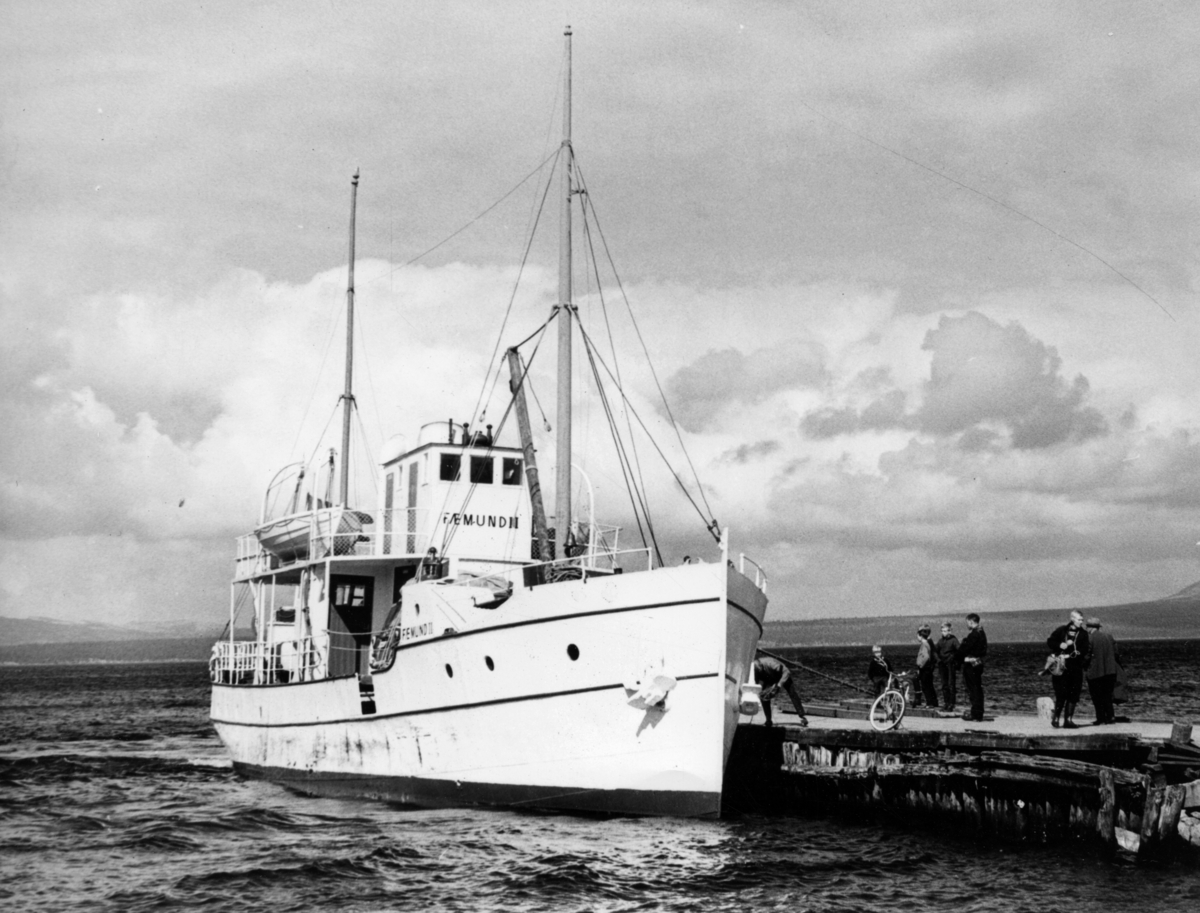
x,y
1106,816
1150,815
1168,818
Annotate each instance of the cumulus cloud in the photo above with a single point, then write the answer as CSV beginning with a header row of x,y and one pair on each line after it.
x,y
699,391
886,412
987,383
983,372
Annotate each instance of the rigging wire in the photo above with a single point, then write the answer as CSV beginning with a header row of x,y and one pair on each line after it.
x,y
494,361
459,231
986,196
799,665
612,341
448,533
321,438
650,364
712,527
312,396
361,333
372,479
635,491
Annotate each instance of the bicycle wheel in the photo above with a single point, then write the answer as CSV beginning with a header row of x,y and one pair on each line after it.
x,y
887,711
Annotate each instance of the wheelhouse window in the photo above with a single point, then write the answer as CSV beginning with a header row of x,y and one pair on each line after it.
x,y
481,470
451,467
511,471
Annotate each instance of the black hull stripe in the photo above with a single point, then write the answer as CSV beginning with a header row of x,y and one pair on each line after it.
x,y
429,793
570,617
747,613
435,641
469,706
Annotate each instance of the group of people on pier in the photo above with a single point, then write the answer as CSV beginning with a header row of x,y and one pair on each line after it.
x,y
947,655
1080,649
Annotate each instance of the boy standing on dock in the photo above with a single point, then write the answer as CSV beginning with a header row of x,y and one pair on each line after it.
x,y
971,652
947,649
926,663
878,670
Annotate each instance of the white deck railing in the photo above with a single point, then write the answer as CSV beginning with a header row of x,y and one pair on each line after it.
x,y
252,662
760,576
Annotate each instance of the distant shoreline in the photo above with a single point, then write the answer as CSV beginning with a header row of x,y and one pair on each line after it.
x,y
81,651
15,664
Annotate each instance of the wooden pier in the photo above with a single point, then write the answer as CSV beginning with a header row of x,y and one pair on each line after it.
x,y
1131,787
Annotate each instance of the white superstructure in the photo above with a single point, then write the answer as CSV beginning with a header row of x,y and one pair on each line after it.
x,y
478,675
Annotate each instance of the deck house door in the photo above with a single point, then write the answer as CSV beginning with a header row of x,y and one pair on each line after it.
x,y
350,624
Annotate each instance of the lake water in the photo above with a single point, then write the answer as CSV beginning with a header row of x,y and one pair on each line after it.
x,y
116,795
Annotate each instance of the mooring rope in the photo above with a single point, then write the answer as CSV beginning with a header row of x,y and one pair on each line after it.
x,y
798,665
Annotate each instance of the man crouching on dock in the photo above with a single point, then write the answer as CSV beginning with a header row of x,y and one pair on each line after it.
x,y
773,676
971,652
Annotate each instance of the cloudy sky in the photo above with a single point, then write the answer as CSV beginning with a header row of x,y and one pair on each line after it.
x,y
919,280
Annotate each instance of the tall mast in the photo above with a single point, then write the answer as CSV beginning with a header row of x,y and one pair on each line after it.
x,y
562,479
348,395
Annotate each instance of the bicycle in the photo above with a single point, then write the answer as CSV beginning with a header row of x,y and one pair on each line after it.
x,y
888,709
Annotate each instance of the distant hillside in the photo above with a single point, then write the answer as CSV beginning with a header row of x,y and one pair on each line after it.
x,y
14,631
110,651
1175,616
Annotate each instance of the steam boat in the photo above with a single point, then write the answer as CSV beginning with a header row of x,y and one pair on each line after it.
x,y
447,647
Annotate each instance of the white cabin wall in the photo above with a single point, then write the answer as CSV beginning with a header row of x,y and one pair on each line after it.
x,y
494,522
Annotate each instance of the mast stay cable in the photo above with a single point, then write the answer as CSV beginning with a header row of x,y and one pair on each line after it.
x,y
666,405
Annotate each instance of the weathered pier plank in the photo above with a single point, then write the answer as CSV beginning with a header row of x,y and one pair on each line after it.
x,y
1010,779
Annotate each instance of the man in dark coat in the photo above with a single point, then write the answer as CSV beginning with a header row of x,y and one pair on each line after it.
x,y
946,649
1069,640
926,663
774,676
970,656
1102,671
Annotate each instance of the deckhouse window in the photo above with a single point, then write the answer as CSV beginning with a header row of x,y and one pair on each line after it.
x,y
481,470
511,472
451,467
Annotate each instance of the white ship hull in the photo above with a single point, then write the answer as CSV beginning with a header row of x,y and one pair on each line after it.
x,y
538,728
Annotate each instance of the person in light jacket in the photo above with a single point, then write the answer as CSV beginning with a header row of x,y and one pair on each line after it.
x,y
926,664
1102,671
878,670
1069,640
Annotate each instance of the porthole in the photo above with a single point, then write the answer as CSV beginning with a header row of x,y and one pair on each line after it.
x,y
449,670
573,652
491,665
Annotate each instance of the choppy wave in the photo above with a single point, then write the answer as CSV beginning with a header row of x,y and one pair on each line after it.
x,y
146,814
